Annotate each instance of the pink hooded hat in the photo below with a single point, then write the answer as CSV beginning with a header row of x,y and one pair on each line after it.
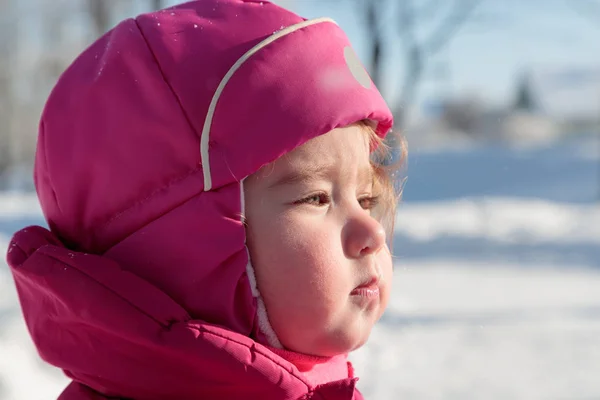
x,y
144,288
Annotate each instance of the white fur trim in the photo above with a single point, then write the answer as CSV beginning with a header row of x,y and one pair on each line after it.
x,y
265,325
204,139
261,311
251,277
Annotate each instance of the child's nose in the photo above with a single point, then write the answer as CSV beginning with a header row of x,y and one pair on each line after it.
x,y
363,235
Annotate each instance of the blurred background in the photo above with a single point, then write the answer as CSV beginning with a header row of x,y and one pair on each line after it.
x,y
497,243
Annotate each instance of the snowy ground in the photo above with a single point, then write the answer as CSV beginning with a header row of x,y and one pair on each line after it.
x,y
496,292
457,330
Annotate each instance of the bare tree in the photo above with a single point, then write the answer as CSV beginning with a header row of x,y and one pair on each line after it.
x,y
374,29
157,4
100,15
590,11
463,114
101,11
416,51
586,9
7,93
26,78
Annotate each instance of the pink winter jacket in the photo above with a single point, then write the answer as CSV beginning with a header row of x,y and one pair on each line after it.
x,y
141,288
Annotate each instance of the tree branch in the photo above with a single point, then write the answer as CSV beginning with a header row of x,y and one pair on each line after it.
x,y
417,52
588,10
450,26
157,4
428,11
100,15
406,22
373,22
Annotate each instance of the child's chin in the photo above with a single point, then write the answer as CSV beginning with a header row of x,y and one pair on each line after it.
x,y
341,338
360,343
345,344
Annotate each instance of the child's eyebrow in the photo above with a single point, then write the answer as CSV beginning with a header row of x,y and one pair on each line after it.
x,y
315,173
303,175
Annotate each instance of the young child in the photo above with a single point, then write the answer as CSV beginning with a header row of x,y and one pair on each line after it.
x,y
216,224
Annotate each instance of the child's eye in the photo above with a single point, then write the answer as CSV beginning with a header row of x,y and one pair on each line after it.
x,y
317,199
368,203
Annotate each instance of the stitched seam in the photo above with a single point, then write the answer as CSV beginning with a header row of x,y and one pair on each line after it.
x,y
185,115
106,287
152,194
155,218
251,348
208,120
199,329
187,118
47,172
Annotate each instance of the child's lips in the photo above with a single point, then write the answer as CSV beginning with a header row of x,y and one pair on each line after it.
x,y
369,289
366,292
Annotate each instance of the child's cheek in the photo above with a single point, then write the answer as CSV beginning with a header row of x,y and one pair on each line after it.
x,y
385,262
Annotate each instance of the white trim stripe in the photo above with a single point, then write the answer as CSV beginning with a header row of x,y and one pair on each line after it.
x,y
261,311
204,139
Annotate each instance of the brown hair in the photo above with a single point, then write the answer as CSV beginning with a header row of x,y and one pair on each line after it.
x,y
388,170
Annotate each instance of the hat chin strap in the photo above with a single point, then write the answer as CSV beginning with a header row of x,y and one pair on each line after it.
x,y
263,319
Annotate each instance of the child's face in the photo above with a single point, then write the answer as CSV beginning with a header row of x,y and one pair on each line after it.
x,y
321,261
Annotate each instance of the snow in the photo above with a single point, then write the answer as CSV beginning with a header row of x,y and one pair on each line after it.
x,y
502,220
456,330
496,292
19,362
